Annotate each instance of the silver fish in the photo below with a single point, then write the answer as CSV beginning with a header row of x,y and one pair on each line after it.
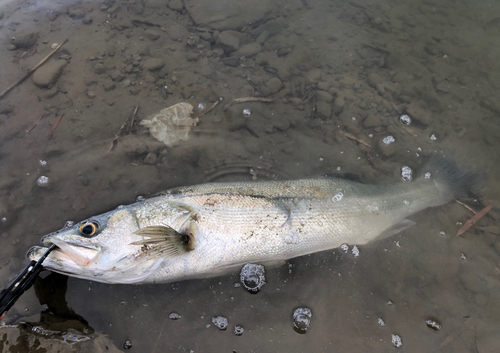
x,y
211,229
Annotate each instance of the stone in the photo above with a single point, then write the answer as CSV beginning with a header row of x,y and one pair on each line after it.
x,y
324,96
176,5
228,14
99,68
247,50
150,158
48,73
108,85
153,64
262,37
116,76
274,84
152,34
76,13
338,104
418,111
313,76
78,204
231,61
273,27
323,110
372,120
87,20
192,56
229,41
131,145
25,40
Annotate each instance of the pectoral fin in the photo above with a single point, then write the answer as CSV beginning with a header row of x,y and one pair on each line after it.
x,y
164,241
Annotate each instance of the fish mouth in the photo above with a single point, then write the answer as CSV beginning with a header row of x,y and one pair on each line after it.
x,y
80,254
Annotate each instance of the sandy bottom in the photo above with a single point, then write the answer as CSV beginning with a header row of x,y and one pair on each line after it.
x,y
340,75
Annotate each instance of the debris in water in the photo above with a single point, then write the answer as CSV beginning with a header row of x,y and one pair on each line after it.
x,y
238,330
252,277
220,322
56,124
474,219
388,140
125,129
302,319
174,316
406,173
433,325
396,341
405,119
127,345
42,181
171,124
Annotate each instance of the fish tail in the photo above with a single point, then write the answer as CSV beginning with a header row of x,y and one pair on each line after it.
x,y
449,178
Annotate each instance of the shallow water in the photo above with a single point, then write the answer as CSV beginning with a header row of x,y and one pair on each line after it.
x,y
350,66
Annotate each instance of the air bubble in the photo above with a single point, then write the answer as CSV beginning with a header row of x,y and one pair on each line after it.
x,y
42,162
442,233
127,345
139,198
355,251
427,175
462,256
406,173
69,224
174,316
433,325
4,219
433,137
381,322
247,112
337,197
253,277
396,341
301,319
42,181
220,322
238,330
405,119
388,140
201,106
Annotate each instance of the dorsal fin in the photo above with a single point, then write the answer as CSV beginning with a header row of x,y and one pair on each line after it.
x,y
164,241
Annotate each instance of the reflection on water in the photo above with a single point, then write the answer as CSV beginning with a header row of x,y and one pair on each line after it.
x,y
371,89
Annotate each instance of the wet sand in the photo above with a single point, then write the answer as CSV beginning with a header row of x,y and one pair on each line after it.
x,y
340,75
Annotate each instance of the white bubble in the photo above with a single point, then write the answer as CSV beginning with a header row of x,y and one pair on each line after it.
x,y
433,137
321,159
345,247
247,112
406,173
339,168
388,140
42,162
381,322
174,316
370,135
201,106
238,330
405,119
337,197
4,219
139,198
301,319
442,233
69,224
355,251
42,181
396,341
462,256
433,325
353,118
427,175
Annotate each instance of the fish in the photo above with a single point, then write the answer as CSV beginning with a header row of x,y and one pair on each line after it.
x,y
215,228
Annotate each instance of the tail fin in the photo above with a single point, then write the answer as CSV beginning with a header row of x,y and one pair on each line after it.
x,y
452,181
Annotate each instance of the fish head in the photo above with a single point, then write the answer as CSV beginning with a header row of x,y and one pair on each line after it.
x,y
98,249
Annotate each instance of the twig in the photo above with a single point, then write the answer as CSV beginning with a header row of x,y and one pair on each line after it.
x,y
474,219
33,69
207,110
28,130
123,128
467,207
56,124
354,138
251,99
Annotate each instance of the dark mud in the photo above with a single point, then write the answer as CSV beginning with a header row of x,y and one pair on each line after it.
x,y
340,73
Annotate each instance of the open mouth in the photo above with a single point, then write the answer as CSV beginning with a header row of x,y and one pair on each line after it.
x,y
81,255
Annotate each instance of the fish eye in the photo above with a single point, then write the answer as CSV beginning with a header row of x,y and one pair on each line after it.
x,y
89,229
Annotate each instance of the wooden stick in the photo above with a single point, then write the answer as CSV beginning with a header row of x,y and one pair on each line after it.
x,y
251,99
33,69
207,110
467,207
123,128
474,219
354,138
56,124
